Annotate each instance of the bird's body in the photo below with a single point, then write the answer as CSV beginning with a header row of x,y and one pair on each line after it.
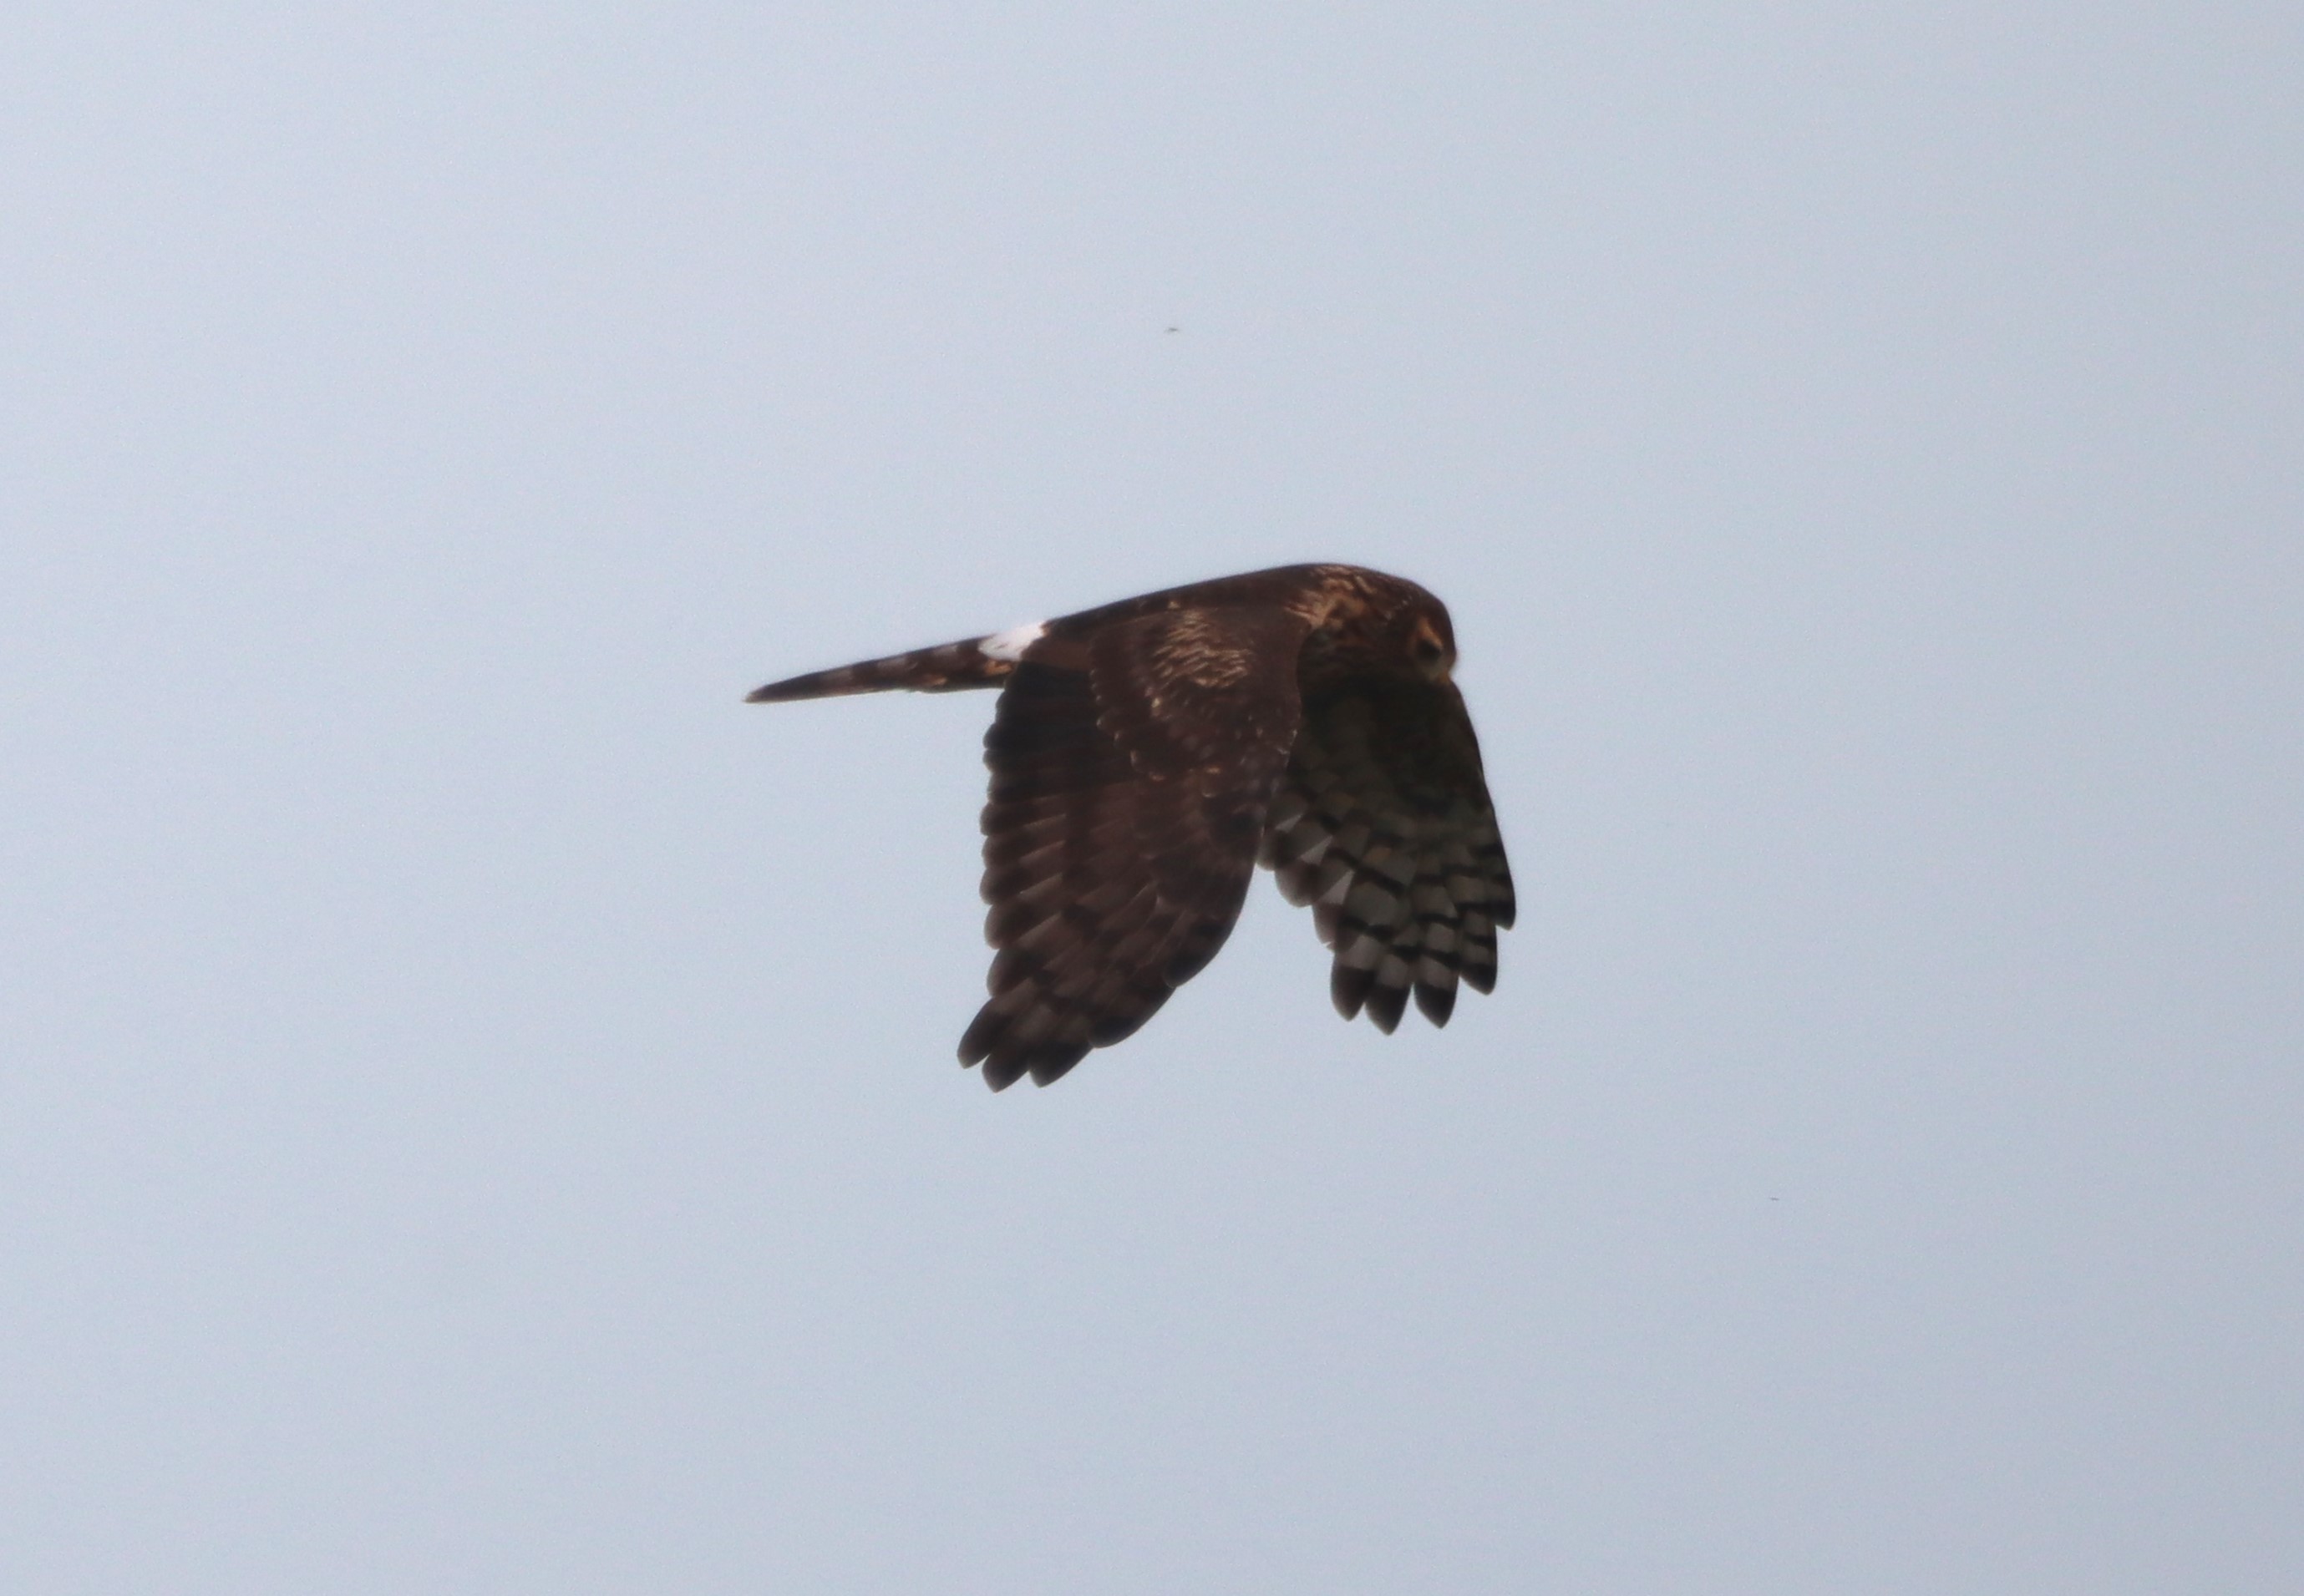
x,y
1146,756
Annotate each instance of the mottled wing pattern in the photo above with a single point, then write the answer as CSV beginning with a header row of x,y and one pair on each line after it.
x,y
1383,825
1132,766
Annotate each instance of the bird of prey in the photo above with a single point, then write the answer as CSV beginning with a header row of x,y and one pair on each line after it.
x,y
1148,754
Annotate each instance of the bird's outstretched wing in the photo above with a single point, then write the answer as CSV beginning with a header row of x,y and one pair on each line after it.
x,y
1133,762
1382,824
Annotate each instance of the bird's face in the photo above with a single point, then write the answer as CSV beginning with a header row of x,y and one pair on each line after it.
x,y
1430,643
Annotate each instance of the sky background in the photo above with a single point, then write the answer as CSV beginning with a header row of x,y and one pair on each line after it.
x,y
476,1102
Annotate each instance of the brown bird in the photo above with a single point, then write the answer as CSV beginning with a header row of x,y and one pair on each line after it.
x,y
1147,755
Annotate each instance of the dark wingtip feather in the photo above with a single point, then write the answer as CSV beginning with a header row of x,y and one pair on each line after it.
x,y
1385,1005
976,1042
992,1040
1002,1066
1000,1077
1436,1002
1053,1059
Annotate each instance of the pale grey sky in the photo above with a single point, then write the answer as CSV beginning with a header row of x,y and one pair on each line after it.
x,y
477,1105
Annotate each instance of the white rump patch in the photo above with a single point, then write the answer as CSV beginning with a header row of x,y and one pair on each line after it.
x,y
1011,645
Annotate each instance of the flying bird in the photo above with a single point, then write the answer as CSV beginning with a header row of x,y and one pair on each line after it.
x,y
1147,756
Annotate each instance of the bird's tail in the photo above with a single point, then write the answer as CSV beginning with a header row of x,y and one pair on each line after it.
x,y
947,668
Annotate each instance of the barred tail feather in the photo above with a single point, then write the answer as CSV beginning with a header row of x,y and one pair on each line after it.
x,y
947,668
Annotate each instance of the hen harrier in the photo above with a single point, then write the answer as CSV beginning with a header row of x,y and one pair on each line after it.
x,y
1147,756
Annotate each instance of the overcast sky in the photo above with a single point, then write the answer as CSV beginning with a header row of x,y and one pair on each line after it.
x,y
478,1110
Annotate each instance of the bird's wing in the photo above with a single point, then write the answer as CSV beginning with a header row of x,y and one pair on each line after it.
x,y
1132,765
1382,824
